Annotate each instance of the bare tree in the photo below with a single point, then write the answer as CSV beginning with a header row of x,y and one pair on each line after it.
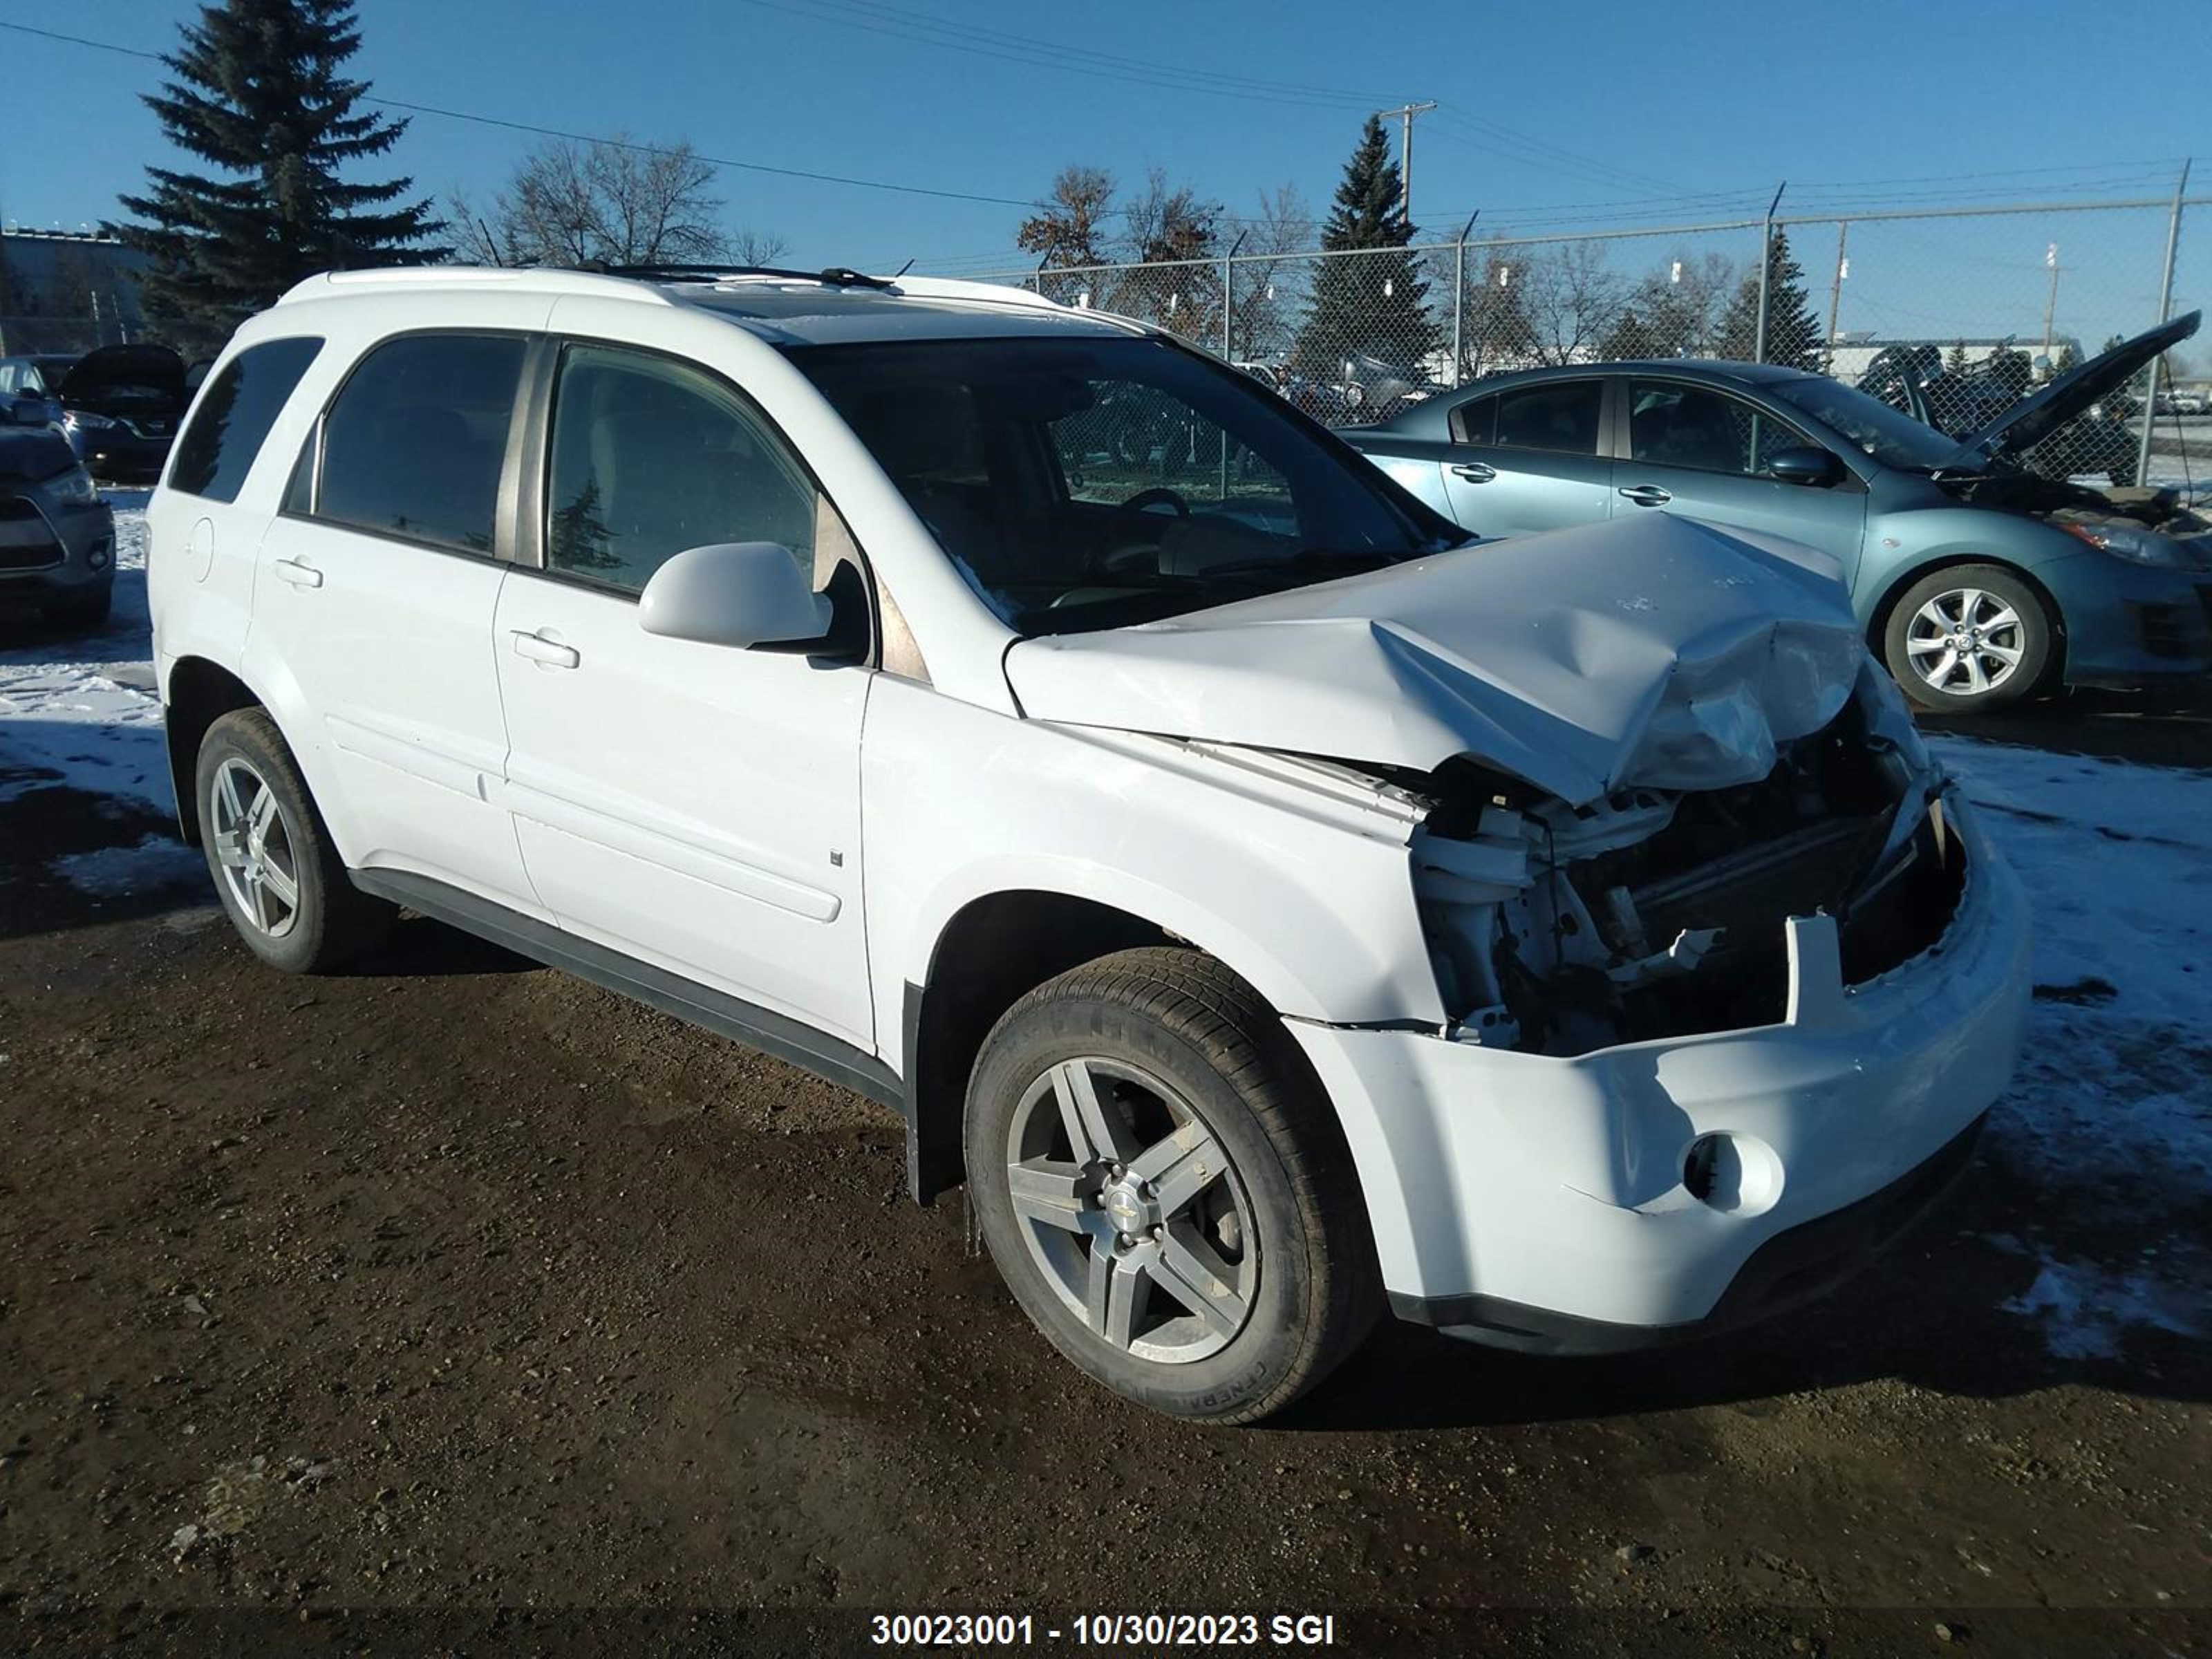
x,y
749,246
612,201
1261,280
1572,298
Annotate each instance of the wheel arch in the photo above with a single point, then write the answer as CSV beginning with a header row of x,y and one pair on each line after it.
x,y
990,953
200,692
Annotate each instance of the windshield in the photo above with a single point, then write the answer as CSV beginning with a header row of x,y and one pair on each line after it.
x,y
1083,484
1893,438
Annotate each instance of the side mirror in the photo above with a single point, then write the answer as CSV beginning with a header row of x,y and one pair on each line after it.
x,y
1808,465
736,593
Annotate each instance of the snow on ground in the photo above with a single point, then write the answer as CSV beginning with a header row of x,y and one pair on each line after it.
x,y
84,711
2111,1112
2112,1106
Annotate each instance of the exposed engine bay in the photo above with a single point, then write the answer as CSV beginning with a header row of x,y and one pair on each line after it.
x,y
2095,516
1651,912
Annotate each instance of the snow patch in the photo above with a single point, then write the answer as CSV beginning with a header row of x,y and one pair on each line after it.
x,y
2085,1309
2112,1106
149,865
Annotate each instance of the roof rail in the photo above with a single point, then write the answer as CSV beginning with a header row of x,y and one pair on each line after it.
x,y
534,279
953,287
920,287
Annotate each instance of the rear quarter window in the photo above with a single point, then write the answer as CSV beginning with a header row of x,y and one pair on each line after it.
x,y
233,419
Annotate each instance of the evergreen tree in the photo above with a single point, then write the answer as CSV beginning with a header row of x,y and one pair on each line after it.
x,y
260,96
1793,333
1956,363
1368,304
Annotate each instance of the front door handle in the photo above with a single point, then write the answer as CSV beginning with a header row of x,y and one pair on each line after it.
x,y
538,648
1646,495
1475,472
299,576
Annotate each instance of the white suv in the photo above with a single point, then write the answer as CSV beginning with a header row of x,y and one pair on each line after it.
x,y
1266,905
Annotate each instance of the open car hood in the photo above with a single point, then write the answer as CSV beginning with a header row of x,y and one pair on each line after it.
x,y
2046,409
1652,651
98,372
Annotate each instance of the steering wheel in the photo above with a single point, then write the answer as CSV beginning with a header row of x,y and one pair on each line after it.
x,y
1157,496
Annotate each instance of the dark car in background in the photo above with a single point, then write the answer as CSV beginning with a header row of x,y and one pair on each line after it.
x,y
56,535
1915,379
28,395
1978,580
121,407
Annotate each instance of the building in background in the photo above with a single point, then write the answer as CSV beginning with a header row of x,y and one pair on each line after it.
x,y
63,291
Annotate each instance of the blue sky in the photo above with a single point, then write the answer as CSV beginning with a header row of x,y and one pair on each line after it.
x,y
1588,113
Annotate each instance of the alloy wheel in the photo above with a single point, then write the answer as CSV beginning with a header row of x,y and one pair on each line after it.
x,y
254,848
1131,1206
1965,641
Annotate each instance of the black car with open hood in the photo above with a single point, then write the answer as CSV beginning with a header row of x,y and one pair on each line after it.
x,y
122,405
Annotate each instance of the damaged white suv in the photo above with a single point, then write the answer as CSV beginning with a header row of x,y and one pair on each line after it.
x,y
1266,905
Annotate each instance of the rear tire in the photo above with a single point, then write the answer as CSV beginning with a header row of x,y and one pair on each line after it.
x,y
1969,639
1245,1272
275,866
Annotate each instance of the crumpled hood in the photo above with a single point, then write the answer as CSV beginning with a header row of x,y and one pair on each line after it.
x,y
1652,651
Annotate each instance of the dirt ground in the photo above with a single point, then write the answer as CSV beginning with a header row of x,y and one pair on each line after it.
x,y
330,1307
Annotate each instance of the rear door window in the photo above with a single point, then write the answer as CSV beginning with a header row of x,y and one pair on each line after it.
x,y
414,445
227,429
1560,417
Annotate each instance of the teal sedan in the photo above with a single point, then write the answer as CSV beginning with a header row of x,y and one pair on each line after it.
x,y
1980,582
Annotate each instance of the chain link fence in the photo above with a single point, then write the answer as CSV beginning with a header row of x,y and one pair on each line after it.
x,y
1948,314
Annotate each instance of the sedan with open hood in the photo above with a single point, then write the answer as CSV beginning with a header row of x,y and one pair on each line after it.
x,y
1978,580
1271,906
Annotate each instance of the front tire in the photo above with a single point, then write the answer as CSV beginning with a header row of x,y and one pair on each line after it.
x,y
1969,639
275,866
1165,1189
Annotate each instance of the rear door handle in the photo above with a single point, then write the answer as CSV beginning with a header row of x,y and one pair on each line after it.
x,y
299,576
1475,472
1646,495
538,648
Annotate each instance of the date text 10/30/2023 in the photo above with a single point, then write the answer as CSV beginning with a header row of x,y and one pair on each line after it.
x,y
1152,1629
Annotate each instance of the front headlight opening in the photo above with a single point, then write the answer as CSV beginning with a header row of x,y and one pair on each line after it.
x,y
2130,542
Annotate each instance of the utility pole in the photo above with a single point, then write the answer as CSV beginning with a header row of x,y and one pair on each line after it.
x,y
1836,285
2050,303
1766,271
1405,113
2164,310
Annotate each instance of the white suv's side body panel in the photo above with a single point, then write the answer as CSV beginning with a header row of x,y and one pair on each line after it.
x,y
1308,897
693,805
387,648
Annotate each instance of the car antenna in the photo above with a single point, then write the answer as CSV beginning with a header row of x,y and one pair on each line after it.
x,y
902,270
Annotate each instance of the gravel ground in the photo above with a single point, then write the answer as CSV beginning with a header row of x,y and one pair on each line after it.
x,y
437,1306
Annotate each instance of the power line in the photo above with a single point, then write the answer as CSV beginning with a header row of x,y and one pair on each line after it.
x,y
1081,56
1162,77
588,139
